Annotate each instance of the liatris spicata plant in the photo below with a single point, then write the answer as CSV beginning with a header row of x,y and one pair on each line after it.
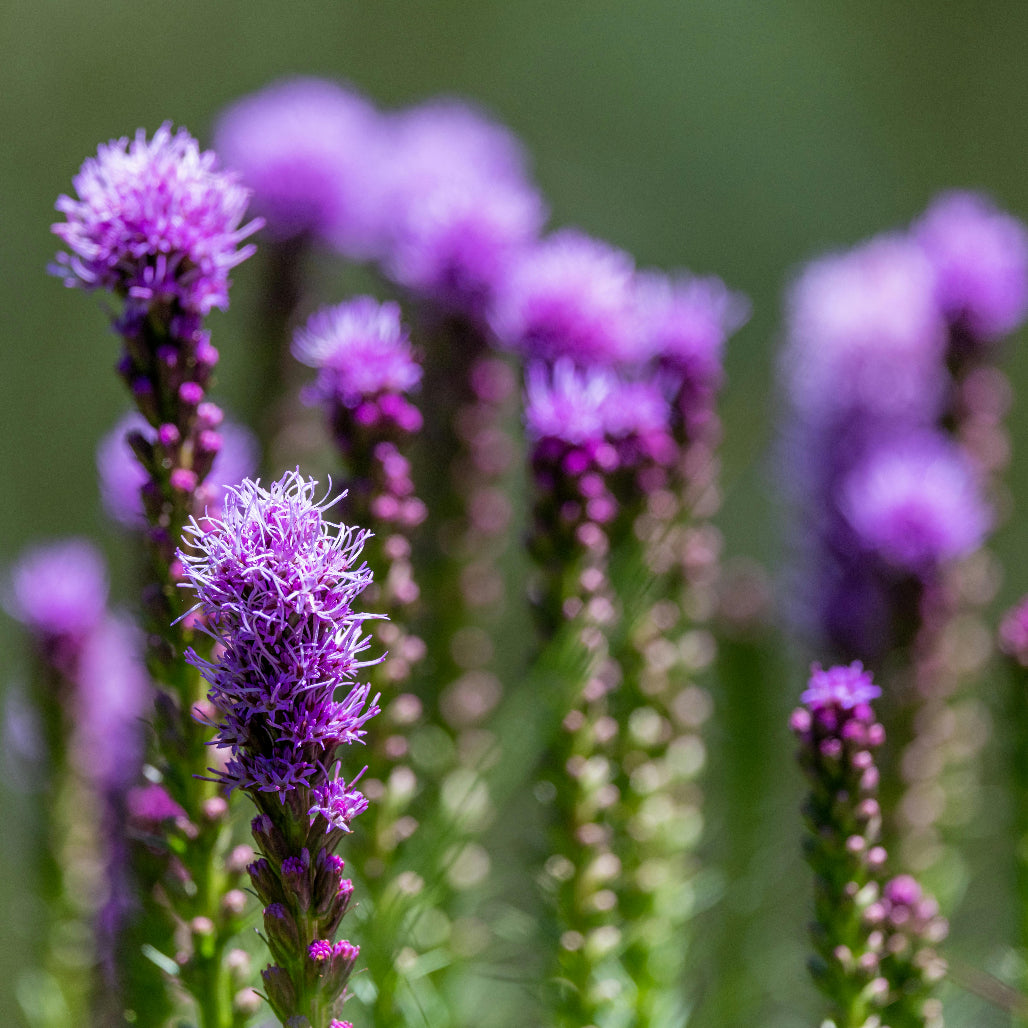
x,y
895,441
276,583
90,693
157,224
460,209
591,433
367,372
309,150
873,938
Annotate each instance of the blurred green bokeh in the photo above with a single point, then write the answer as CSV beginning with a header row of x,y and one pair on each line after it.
x,y
725,136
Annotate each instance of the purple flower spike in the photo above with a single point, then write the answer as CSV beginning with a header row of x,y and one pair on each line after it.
x,y
155,221
276,585
570,296
360,349
916,505
59,590
307,149
843,687
980,257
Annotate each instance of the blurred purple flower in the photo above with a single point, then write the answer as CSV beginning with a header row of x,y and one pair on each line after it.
x,y
685,321
309,150
916,504
866,336
570,296
59,591
112,701
155,221
360,349
980,258
458,240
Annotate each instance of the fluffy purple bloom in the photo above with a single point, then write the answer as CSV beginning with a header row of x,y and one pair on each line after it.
x,y
570,296
308,149
685,321
155,221
915,504
866,336
276,583
360,349
457,241
59,590
980,258
581,406
447,142
122,477
843,687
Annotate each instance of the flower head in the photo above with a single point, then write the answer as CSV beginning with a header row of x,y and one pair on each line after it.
x,y
457,240
155,221
684,322
307,148
570,296
980,258
915,504
59,590
842,686
866,336
276,582
360,349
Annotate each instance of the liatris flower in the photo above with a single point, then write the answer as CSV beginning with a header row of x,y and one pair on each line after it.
x,y
459,206
159,225
59,593
871,960
591,434
863,368
155,222
866,337
92,693
570,296
458,241
684,322
980,258
308,149
595,438
915,505
362,352
277,585
124,482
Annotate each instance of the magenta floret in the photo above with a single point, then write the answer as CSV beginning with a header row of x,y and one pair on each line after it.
x,y
842,686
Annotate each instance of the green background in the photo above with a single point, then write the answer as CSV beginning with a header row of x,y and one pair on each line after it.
x,y
738,138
